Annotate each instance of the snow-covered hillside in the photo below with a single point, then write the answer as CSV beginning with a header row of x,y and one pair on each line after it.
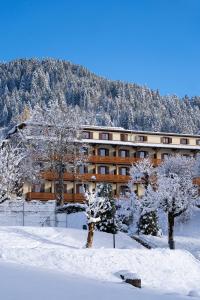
x,y
62,250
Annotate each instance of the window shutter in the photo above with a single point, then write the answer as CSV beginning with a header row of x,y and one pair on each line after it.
x,y
91,135
145,138
110,136
107,152
107,170
162,139
170,140
100,135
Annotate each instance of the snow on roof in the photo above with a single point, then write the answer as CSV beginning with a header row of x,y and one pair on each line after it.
x,y
108,128
143,145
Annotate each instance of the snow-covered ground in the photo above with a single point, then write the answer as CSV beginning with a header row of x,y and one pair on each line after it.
x,y
187,235
27,283
62,263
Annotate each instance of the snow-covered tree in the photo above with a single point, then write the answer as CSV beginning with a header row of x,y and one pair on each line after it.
x,y
107,223
16,167
148,221
96,207
145,212
56,133
176,192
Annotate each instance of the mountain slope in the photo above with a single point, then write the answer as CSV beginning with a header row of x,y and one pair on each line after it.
x,y
27,82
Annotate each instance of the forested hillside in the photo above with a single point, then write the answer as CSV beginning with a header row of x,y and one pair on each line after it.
x,y
24,83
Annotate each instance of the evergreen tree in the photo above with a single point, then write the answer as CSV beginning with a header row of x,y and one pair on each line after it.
x,y
108,223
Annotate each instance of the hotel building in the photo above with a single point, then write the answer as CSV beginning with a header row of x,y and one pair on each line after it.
x,y
112,151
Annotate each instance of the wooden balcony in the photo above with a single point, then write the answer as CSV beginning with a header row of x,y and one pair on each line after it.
x,y
118,160
50,196
88,177
196,181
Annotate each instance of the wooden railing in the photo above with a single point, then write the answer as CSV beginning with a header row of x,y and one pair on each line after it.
x,y
118,160
87,177
51,196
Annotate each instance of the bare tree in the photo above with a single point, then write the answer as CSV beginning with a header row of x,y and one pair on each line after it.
x,y
55,133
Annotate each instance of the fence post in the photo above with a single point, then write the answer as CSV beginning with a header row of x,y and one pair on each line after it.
x,y
23,217
55,217
66,220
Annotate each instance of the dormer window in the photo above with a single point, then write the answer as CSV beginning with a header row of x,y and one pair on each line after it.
x,y
87,134
198,142
166,140
184,141
105,136
141,138
124,137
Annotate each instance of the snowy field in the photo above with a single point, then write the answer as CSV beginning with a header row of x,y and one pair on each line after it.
x,y
52,262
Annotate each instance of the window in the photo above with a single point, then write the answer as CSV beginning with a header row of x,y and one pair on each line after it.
x,y
141,138
123,153
81,188
87,135
58,188
84,150
103,170
105,136
124,137
124,190
123,171
38,188
166,140
184,141
83,169
198,142
164,155
141,154
103,152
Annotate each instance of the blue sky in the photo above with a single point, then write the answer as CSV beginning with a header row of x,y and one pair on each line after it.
x,y
151,42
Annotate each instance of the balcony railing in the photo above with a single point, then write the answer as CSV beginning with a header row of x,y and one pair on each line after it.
x,y
87,177
118,160
51,196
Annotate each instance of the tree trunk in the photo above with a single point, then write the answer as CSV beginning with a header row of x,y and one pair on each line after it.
x,y
171,231
90,235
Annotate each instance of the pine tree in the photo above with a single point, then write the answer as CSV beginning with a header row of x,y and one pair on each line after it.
x,y
108,223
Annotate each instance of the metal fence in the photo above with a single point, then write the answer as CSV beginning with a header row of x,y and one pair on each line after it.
x,y
19,213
